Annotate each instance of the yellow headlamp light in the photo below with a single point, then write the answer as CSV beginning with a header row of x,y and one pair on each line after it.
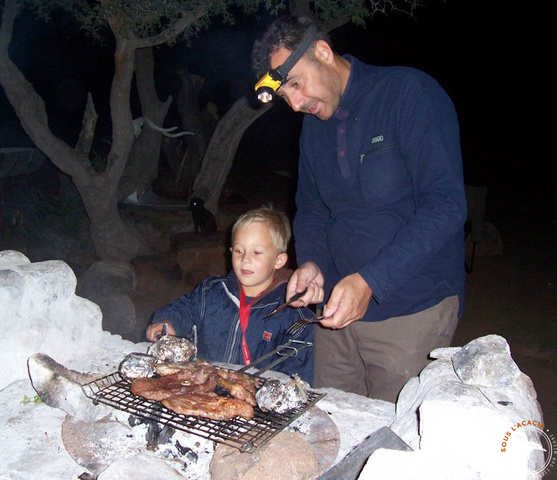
x,y
266,87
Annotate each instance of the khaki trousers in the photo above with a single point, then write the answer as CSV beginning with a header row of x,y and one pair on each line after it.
x,y
376,359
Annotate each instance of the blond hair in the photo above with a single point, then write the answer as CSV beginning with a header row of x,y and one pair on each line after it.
x,y
279,225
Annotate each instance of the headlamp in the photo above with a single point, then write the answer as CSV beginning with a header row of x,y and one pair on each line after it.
x,y
268,85
273,79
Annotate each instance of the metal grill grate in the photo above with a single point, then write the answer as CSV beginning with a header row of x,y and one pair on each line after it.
x,y
246,435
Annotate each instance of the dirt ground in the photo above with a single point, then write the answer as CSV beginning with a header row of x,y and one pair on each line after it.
x,y
511,290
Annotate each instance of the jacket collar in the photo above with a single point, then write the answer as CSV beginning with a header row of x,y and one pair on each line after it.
x,y
281,277
355,88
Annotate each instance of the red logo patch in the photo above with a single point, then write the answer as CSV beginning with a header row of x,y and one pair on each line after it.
x,y
267,336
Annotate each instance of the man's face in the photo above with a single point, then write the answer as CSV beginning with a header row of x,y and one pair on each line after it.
x,y
311,87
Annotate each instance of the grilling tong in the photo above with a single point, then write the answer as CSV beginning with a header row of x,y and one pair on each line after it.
x,y
289,349
293,298
296,326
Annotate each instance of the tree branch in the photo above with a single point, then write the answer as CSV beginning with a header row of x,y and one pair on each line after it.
x,y
87,133
172,32
28,105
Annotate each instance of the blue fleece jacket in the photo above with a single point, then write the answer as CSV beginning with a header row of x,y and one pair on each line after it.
x,y
381,191
213,306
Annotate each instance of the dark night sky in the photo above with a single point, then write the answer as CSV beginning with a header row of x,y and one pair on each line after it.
x,y
476,51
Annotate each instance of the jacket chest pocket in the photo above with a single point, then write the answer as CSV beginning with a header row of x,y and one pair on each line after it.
x,y
383,176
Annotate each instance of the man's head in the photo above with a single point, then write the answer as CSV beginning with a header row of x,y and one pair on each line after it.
x,y
316,82
259,241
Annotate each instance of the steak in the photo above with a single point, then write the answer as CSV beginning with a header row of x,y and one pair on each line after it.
x,y
189,389
209,405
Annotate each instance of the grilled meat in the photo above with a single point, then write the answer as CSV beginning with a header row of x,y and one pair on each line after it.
x,y
164,387
189,389
209,405
238,385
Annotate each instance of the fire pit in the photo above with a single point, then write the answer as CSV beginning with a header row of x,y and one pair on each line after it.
x,y
246,435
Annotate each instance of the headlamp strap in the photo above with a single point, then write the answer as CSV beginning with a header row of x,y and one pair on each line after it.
x,y
302,47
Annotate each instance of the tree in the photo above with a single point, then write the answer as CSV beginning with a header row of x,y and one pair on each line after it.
x,y
224,142
136,26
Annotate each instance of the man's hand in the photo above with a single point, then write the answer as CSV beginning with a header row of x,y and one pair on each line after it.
x,y
307,276
155,330
348,302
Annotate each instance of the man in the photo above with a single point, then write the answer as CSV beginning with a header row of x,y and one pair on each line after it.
x,y
380,211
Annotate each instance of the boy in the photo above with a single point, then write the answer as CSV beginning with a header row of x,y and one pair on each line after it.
x,y
229,311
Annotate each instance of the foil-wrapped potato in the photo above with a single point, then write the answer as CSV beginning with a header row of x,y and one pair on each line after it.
x,y
136,365
173,349
275,396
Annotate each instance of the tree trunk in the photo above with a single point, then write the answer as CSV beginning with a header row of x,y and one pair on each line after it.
x,y
197,119
143,162
220,153
112,239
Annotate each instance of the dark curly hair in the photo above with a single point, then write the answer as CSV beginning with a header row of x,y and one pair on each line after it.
x,y
286,32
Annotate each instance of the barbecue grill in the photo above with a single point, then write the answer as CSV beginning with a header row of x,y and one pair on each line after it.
x,y
245,435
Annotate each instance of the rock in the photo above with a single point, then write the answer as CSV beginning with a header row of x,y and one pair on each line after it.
x,y
29,294
106,278
444,352
287,456
201,256
435,376
119,316
12,258
457,413
46,283
472,433
154,272
460,407
109,284
95,445
40,312
12,287
487,362
140,467
60,388
31,437
159,282
420,465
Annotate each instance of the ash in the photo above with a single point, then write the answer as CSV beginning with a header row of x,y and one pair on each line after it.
x,y
195,453
188,454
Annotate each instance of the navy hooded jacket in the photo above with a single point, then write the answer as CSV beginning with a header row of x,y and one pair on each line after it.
x,y
213,306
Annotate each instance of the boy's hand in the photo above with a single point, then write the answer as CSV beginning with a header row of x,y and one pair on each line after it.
x,y
154,331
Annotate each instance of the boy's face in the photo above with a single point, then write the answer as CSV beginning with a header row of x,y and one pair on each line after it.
x,y
255,257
